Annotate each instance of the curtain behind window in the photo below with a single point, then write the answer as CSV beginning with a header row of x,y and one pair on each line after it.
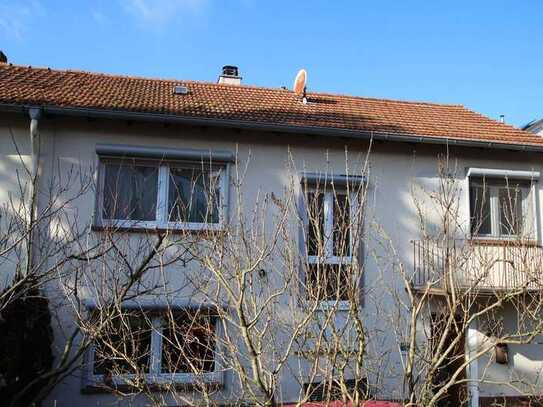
x,y
130,192
193,196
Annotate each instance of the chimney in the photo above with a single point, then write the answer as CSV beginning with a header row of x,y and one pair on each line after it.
x,y
230,75
3,58
502,118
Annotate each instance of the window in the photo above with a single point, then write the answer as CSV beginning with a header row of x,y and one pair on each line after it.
x,y
124,347
500,208
188,344
150,194
331,222
160,348
335,389
130,192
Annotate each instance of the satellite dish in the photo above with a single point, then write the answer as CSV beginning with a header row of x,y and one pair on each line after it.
x,y
299,82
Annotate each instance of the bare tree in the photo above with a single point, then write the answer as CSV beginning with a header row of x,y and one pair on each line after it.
x,y
49,250
451,312
257,304
271,290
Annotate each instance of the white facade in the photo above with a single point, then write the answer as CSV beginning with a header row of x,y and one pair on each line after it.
x,y
393,170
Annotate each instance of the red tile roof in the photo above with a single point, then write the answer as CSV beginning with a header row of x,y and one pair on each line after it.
x,y
75,89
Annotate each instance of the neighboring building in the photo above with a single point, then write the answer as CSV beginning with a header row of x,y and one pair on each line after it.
x,y
90,120
535,126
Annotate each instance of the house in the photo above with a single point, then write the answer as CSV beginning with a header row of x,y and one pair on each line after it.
x,y
535,126
194,178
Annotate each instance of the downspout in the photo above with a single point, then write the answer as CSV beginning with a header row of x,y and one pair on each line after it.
x,y
473,367
35,115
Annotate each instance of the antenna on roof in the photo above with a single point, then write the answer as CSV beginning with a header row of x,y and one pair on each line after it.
x,y
299,85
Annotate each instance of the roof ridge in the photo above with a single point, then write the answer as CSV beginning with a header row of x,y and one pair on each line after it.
x,y
262,88
99,74
139,77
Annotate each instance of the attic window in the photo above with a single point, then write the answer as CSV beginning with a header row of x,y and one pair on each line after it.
x,y
180,90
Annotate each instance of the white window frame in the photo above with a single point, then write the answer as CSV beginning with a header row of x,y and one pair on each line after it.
x,y
162,222
155,376
493,196
329,197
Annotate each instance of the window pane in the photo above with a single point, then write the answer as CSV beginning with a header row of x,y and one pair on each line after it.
x,y
510,201
124,346
330,390
480,210
315,238
328,282
193,196
130,192
188,344
342,229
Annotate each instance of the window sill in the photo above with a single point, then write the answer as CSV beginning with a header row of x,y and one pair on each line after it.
x,y
162,382
156,230
502,241
334,305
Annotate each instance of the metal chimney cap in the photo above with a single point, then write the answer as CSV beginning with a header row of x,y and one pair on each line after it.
x,y
230,76
230,70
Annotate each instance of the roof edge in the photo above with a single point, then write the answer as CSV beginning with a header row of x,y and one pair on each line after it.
x,y
272,127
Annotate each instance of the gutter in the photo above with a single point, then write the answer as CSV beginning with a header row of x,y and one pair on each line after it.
x,y
272,127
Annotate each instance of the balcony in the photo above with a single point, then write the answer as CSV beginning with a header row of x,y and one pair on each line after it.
x,y
488,266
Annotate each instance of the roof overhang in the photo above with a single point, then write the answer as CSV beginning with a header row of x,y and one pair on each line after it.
x,y
272,127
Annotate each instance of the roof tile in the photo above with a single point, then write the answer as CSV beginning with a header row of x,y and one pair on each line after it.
x,y
44,86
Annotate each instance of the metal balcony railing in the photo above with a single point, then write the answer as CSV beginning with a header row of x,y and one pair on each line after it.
x,y
477,265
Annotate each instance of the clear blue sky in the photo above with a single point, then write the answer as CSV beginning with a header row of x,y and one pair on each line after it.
x,y
487,55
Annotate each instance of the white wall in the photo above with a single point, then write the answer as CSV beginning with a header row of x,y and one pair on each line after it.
x,y
394,169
